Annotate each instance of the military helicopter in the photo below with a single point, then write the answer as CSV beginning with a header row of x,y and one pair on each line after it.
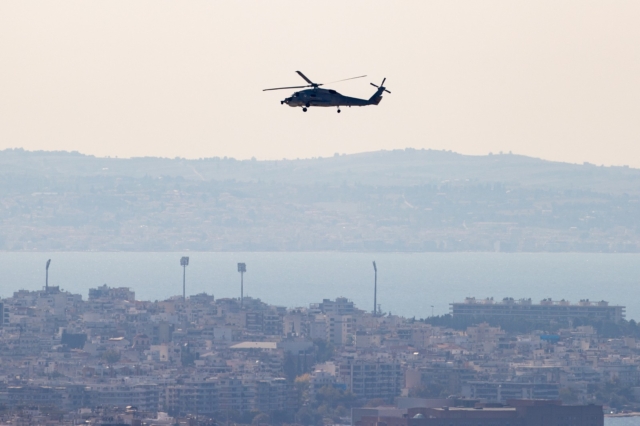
x,y
317,97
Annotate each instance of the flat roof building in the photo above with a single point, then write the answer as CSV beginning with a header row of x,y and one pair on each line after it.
x,y
546,310
503,391
517,412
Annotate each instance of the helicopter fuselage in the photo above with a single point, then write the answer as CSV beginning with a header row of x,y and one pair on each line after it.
x,y
317,97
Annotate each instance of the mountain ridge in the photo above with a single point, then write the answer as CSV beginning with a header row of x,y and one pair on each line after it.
x,y
379,168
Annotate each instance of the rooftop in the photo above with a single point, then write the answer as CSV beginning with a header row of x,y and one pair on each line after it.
x,y
543,302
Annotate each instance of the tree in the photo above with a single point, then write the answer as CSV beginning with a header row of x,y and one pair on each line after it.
x,y
111,356
289,367
331,397
613,393
301,385
324,350
569,396
434,390
306,416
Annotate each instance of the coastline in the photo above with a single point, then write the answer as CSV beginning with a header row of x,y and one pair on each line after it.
x,y
632,414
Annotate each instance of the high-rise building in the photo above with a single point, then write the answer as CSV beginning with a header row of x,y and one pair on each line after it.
x,y
369,379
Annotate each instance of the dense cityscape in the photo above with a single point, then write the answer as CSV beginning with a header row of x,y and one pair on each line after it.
x,y
113,359
439,204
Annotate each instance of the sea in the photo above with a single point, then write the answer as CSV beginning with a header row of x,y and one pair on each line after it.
x,y
409,284
622,421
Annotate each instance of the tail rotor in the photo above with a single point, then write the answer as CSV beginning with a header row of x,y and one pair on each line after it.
x,y
381,85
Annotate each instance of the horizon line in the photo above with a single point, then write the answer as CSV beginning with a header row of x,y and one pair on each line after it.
x,y
335,155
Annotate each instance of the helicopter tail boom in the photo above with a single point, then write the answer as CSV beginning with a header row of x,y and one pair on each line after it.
x,y
377,97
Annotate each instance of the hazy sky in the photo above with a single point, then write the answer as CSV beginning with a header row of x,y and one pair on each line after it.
x,y
552,79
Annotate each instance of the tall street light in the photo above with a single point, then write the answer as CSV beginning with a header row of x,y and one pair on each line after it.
x,y
375,289
46,281
184,262
242,268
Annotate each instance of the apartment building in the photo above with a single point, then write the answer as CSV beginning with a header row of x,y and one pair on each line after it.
x,y
144,396
340,306
216,394
369,379
340,329
192,396
546,310
503,391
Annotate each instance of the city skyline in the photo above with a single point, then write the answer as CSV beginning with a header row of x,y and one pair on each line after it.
x,y
115,354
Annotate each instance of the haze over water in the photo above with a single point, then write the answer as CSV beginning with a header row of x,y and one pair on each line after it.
x,y
408,283
622,421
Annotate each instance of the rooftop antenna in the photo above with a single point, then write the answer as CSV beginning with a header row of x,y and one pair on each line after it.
x,y
242,268
46,282
375,289
184,262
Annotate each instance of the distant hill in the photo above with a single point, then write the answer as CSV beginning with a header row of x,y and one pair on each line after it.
x,y
403,200
387,168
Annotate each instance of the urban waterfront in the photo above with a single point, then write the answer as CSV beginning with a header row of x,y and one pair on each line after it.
x,y
409,284
106,353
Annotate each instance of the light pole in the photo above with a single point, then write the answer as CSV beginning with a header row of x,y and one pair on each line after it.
x,y
46,280
375,289
431,311
242,268
184,262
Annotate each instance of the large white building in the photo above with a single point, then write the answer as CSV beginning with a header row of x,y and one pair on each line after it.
x,y
546,310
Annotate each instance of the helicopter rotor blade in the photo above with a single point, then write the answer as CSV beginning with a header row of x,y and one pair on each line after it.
x,y
383,80
282,88
381,86
345,79
306,79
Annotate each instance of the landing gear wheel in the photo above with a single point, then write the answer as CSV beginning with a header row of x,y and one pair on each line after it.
x,y
307,105
338,111
304,109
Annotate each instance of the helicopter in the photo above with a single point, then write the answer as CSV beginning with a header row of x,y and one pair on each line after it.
x,y
316,97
